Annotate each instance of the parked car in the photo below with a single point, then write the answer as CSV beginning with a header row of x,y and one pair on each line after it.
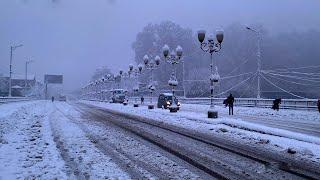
x,y
165,100
118,96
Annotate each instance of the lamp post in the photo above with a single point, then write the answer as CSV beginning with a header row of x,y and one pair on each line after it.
x,y
151,65
173,58
136,72
120,78
26,77
259,37
211,47
12,48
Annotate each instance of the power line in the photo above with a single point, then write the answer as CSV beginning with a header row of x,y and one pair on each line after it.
x,y
293,82
228,77
235,86
295,77
281,88
248,87
305,67
317,75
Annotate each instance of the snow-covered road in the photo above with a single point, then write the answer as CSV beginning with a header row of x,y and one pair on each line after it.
x,y
91,140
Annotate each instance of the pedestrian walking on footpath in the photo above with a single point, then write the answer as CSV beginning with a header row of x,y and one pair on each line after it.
x,y
225,102
52,98
142,99
318,104
230,101
276,104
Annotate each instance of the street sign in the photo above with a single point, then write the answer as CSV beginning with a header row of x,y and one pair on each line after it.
x,y
53,79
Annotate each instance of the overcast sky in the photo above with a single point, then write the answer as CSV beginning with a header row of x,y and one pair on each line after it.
x,y
74,37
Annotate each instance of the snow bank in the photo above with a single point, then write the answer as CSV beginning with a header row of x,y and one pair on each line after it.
x,y
27,150
287,114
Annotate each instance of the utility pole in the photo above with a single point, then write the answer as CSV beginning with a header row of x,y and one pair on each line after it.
x,y
10,71
183,82
259,66
12,48
26,75
259,37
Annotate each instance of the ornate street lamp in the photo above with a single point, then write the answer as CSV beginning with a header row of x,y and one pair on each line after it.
x,y
211,47
151,65
173,58
136,73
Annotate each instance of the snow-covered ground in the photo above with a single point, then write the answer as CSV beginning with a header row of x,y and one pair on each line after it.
x,y
45,140
38,142
27,149
193,117
287,114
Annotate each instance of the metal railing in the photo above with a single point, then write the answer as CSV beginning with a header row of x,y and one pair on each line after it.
x,y
306,104
302,104
13,99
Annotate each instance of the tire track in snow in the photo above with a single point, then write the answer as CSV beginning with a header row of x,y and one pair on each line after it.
x,y
75,170
263,156
115,151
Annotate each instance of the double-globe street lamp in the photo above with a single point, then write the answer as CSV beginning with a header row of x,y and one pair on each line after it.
x,y
135,72
211,46
26,77
173,58
151,64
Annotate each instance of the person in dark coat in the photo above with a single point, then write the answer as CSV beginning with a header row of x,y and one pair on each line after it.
x,y
318,104
276,104
225,102
230,101
142,99
52,98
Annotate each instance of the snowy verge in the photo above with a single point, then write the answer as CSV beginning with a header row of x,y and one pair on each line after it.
x,y
238,123
27,150
78,151
289,115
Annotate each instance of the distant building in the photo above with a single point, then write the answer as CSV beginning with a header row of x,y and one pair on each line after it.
x,y
18,84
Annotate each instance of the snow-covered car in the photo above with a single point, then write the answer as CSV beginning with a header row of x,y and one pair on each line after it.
x,y
165,100
118,96
62,98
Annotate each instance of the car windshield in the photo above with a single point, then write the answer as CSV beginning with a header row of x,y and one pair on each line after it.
x,y
118,92
168,98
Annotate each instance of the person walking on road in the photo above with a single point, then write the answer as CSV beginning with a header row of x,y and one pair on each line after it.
x,y
318,104
230,101
142,99
52,98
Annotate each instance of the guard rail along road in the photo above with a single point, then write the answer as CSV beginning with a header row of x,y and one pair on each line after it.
x,y
13,99
303,104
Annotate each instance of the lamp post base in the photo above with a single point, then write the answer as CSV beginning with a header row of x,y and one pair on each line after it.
x,y
212,114
135,105
150,106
